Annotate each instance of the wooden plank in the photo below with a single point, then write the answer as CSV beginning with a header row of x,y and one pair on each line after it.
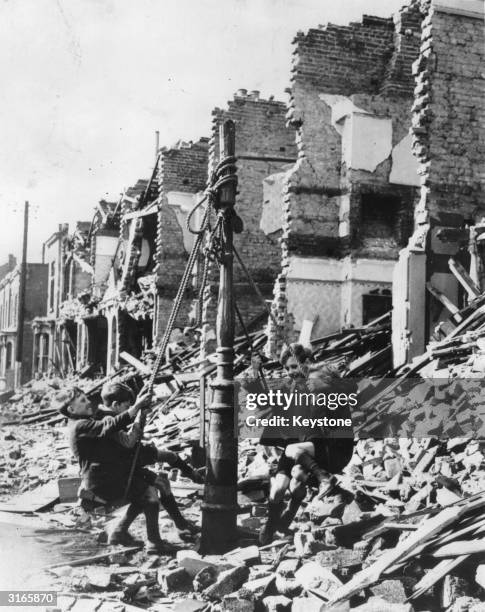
x,y
306,331
24,522
32,501
94,559
136,363
460,547
464,278
447,303
426,531
437,573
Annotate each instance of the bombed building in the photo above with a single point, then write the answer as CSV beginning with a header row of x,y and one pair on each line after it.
x,y
348,201
448,135
374,161
264,147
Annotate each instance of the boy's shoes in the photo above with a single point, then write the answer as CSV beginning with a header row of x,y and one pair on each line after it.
x,y
124,538
267,534
159,547
187,528
189,472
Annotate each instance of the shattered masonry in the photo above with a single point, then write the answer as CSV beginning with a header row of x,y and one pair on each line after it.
x,y
264,145
375,159
349,199
448,124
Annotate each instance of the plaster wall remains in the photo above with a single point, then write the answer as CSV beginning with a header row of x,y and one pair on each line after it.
x,y
351,194
105,248
448,132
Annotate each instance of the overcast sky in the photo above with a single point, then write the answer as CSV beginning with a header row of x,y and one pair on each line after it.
x,y
87,82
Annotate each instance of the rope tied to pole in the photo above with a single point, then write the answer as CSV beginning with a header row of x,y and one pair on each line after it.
x,y
223,175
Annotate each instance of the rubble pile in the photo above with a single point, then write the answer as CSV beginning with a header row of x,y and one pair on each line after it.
x,y
411,538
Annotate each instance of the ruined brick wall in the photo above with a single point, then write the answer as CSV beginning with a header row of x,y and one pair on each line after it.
x,y
341,74
448,127
449,114
182,168
264,146
369,62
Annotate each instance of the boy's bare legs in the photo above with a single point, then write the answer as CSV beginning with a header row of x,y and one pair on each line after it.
x,y
275,507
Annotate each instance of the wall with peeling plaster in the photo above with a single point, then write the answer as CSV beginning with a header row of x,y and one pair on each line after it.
x,y
350,106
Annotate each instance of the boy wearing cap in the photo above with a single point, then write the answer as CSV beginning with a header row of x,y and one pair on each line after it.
x,y
105,466
118,397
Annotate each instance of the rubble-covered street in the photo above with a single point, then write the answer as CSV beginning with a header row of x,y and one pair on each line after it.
x,y
412,538
243,371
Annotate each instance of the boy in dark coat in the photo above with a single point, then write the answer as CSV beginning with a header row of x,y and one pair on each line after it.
x,y
105,466
117,398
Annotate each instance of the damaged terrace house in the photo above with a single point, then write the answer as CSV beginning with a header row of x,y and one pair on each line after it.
x,y
388,118
335,188
68,274
16,328
111,283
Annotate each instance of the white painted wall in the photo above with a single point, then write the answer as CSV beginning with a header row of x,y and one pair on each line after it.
x,y
404,169
332,289
182,204
366,141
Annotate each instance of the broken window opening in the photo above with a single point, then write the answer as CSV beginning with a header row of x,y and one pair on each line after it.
x,y
8,356
380,216
114,343
375,305
52,285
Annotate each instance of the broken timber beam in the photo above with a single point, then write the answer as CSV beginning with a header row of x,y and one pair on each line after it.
x,y
464,278
136,363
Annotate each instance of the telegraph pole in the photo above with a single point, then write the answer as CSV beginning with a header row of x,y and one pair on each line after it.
x,y
219,509
21,304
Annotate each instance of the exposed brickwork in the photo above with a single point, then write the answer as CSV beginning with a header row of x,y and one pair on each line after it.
x,y
448,127
449,116
370,63
264,146
182,168
262,136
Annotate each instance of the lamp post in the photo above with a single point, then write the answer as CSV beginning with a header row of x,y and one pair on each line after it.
x,y
219,509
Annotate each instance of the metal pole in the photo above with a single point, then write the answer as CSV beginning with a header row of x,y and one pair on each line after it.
x,y
21,304
219,509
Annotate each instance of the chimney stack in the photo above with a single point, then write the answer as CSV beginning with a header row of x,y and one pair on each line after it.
x,y
157,144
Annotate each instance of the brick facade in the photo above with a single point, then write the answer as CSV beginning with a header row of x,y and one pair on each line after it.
x,y
448,128
35,303
182,174
264,146
350,197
